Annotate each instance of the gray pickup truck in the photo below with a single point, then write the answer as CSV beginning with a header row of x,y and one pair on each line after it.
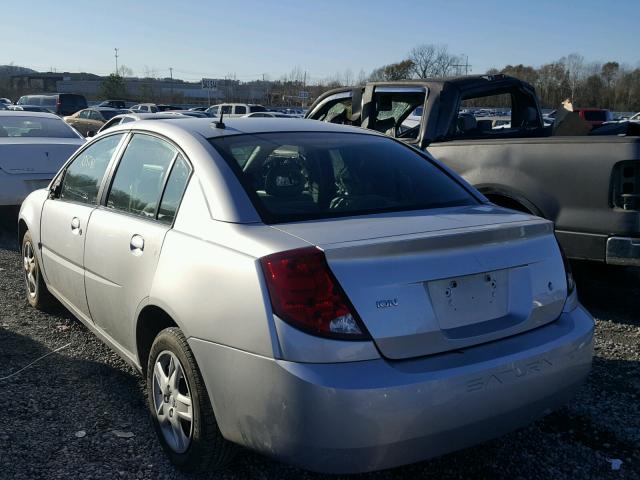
x,y
589,185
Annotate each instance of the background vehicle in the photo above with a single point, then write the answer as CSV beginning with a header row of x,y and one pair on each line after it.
x,y
589,186
33,147
635,118
232,110
5,101
162,107
594,116
59,103
89,121
389,312
121,104
132,117
145,108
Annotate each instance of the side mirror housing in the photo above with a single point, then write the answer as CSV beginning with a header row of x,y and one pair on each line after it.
x,y
91,133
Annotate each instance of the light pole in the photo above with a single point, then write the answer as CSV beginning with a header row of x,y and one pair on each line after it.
x,y
116,60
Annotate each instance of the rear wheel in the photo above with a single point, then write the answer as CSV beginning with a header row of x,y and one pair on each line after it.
x,y
180,407
37,294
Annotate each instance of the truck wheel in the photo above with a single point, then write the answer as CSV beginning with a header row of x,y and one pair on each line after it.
x,y
180,407
37,294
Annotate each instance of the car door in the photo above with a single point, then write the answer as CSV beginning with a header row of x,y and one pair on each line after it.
x,y
65,219
81,121
125,236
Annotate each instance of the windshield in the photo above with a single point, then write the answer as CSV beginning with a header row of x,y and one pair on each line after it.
x,y
35,127
312,175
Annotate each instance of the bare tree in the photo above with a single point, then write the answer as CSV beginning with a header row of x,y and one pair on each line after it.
x,y
424,60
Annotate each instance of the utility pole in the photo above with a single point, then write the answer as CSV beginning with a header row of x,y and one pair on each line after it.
x,y
304,89
116,60
171,75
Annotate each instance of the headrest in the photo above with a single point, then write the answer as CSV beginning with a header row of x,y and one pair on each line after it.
x,y
530,115
467,122
285,180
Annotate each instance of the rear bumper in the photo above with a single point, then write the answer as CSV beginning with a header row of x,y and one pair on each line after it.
x,y
370,415
15,188
614,250
623,251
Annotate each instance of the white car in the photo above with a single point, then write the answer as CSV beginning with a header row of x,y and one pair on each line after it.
x,y
145,108
33,147
234,110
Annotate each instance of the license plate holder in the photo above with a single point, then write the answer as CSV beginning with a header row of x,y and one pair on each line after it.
x,y
466,300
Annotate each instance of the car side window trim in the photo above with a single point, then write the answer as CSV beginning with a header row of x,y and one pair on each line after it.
x,y
164,187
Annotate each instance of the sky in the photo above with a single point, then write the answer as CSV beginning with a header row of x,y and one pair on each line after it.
x,y
249,38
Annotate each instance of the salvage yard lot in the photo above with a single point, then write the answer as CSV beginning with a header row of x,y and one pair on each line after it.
x,y
80,412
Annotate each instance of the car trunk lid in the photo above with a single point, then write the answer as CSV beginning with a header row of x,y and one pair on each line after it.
x,y
35,155
425,283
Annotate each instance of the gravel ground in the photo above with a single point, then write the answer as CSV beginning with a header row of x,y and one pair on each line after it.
x,y
58,418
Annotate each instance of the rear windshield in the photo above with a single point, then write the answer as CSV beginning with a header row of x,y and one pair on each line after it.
x,y
46,100
312,175
595,115
35,127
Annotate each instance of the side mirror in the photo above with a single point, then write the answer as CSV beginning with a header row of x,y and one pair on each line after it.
x,y
91,133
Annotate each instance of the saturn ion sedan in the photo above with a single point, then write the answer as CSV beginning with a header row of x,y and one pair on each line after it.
x,y
318,293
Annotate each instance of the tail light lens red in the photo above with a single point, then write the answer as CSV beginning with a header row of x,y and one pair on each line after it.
x,y
305,294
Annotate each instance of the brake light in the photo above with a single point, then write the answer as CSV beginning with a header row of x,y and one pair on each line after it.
x,y
305,294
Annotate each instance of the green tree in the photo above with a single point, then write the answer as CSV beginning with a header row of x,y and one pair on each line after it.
x,y
113,87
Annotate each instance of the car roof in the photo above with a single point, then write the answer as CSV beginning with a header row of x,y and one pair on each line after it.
x,y
25,113
206,127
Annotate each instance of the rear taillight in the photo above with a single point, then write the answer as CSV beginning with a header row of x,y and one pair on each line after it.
x,y
305,294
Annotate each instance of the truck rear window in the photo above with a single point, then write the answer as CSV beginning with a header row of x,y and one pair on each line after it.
x,y
595,115
312,175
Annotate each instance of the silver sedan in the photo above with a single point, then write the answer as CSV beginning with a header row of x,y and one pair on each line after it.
x,y
319,293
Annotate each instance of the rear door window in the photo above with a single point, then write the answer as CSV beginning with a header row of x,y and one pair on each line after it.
x,y
83,177
176,185
140,177
240,110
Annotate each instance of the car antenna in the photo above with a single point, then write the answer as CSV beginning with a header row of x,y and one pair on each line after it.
x,y
220,123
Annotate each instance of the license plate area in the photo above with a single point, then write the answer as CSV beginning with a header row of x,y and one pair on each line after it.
x,y
470,299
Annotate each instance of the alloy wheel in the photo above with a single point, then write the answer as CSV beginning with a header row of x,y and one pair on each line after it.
x,y
172,401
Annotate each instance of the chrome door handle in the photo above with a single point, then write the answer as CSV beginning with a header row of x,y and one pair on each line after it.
x,y
75,226
137,244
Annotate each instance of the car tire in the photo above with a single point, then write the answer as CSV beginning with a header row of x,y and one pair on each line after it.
x,y
205,448
38,295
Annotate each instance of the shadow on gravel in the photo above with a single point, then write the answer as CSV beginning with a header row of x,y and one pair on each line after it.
x,y
54,399
9,227
609,292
